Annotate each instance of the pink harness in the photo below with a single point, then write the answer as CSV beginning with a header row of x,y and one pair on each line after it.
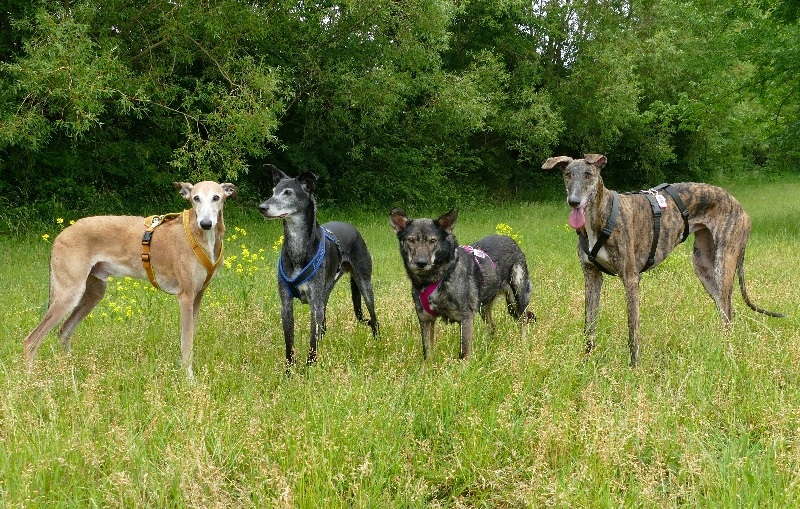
x,y
425,294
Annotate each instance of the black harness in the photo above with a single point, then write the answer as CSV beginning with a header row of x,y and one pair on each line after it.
x,y
651,195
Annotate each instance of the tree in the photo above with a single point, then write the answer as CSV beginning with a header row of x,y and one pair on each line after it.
x,y
119,82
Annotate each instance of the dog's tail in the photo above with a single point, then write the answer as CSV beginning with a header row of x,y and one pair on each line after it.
x,y
522,289
740,273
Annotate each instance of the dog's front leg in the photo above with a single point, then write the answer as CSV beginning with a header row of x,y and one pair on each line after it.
x,y
287,320
593,279
467,329
426,324
631,282
317,328
186,303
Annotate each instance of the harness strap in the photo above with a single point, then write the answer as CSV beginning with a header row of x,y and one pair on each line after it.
x,y
609,227
148,267
151,222
681,206
199,253
651,259
603,237
478,253
424,297
309,270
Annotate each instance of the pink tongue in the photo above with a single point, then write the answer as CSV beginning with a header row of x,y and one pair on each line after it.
x,y
577,218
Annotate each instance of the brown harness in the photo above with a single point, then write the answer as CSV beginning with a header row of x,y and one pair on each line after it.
x,y
152,222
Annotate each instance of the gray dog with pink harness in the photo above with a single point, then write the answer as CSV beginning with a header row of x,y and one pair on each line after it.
x,y
456,282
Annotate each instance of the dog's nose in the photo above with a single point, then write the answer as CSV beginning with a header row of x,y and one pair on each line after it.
x,y
573,202
421,263
205,224
263,207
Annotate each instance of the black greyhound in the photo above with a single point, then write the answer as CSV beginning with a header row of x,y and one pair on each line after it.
x,y
314,257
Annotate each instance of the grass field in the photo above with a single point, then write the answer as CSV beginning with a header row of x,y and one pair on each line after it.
x,y
707,420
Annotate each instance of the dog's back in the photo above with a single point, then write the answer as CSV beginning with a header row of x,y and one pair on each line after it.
x,y
350,243
512,272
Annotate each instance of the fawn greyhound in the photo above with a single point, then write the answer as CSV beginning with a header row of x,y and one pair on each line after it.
x,y
314,257
456,282
627,234
179,256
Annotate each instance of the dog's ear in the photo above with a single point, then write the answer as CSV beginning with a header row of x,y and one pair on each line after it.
x,y
447,221
598,160
553,162
229,189
308,180
184,188
399,220
277,175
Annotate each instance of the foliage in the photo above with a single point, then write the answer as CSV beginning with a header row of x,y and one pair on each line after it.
x,y
103,103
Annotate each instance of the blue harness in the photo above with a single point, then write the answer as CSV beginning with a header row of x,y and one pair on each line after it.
x,y
310,269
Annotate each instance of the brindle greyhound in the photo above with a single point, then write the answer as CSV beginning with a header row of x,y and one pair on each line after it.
x,y
314,257
627,234
180,257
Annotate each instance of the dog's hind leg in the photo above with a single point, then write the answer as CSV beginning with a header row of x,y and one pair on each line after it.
x,y
355,295
705,258
360,286
725,272
92,295
66,290
486,314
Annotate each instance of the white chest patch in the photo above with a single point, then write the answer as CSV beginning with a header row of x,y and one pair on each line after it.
x,y
602,255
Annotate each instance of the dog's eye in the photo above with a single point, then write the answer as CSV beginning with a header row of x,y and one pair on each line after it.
x,y
287,192
215,198
432,241
587,175
197,199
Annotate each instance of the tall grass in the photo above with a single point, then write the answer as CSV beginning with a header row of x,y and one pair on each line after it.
x,y
708,419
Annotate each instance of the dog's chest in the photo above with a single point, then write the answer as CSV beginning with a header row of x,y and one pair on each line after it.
x,y
461,293
303,291
449,305
602,254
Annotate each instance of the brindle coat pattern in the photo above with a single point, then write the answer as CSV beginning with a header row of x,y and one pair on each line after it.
x,y
720,225
467,285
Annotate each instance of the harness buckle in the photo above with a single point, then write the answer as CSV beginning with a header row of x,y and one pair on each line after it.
x,y
654,192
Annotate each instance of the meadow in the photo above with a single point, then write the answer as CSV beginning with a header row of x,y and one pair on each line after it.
x,y
708,419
